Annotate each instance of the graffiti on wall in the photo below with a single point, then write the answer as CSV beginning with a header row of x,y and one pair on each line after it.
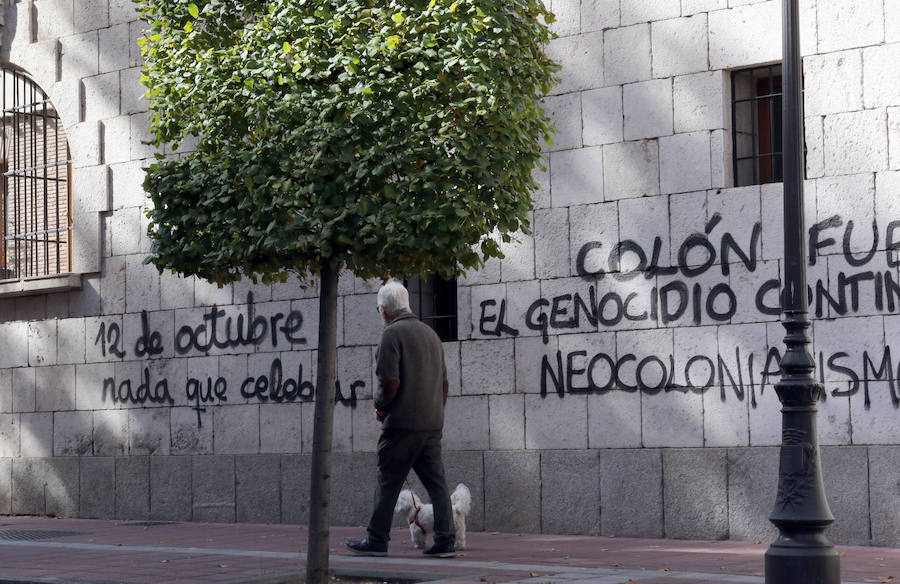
x,y
695,289
683,300
215,329
691,295
739,376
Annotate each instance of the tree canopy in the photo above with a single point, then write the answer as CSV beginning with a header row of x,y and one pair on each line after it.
x,y
387,137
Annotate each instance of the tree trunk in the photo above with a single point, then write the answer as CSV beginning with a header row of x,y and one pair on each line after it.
x,y
320,476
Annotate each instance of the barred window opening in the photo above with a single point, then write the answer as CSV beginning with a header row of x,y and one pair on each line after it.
x,y
756,125
434,301
35,194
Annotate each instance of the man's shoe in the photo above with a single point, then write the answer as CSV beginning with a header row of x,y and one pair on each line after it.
x,y
364,548
440,550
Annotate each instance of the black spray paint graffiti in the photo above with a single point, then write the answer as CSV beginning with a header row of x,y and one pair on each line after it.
x,y
146,391
220,331
628,259
577,372
682,299
200,393
249,330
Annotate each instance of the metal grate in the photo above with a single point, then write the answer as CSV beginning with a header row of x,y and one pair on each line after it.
x,y
434,302
35,194
756,125
33,535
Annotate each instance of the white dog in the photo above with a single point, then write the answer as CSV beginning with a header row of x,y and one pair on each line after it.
x,y
421,517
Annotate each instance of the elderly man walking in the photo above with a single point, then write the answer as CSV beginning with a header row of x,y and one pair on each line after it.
x,y
409,402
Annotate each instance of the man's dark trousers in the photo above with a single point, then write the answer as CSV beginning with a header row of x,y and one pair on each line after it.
x,y
398,452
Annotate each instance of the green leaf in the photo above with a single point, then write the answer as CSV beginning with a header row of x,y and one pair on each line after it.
x,y
286,47
393,41
398,18
188,26
193,10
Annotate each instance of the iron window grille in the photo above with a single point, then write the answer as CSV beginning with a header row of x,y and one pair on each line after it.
x,y
35,193
756,125
434,301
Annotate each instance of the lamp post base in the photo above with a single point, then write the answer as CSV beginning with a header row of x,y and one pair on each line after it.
x,y
802,565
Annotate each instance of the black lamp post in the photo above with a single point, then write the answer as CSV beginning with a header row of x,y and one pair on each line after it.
x,y
801,554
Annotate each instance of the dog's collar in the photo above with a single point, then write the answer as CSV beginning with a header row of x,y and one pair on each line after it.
x,y
415,519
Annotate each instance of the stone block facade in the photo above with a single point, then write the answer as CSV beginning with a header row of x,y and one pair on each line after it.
x,y
630,390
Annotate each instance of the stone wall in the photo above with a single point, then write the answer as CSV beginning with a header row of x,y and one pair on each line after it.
x,y
613,374
697,493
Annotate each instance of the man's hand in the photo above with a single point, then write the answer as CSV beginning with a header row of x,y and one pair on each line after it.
x,y
380,414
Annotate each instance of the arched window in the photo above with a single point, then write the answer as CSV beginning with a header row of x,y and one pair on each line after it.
x,y
36,192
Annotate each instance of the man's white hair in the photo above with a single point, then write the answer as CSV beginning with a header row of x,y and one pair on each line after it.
x,y
393,298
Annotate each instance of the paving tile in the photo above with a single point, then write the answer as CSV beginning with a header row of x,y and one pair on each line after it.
x,y
196,552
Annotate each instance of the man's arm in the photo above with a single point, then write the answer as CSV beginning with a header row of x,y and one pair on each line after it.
x,y
444,385
387,373
389,392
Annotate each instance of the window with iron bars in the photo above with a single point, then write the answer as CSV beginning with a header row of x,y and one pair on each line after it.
x,y
756,125
434,302
35,193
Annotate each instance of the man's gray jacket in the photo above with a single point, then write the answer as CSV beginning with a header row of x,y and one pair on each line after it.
x,y
411,352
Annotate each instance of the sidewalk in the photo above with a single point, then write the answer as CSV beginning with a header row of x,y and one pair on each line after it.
x,y
84,551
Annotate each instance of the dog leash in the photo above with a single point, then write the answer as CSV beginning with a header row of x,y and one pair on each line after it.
x,y
415,517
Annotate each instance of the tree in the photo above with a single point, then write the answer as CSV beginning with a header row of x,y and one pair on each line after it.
x,y
388,138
